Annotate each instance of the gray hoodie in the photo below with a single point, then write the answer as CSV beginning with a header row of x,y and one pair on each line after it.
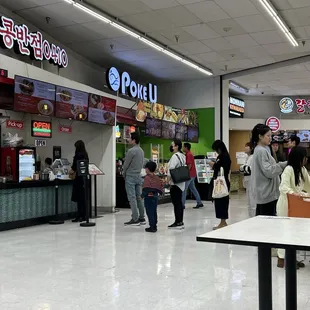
x,y
265,177
134,161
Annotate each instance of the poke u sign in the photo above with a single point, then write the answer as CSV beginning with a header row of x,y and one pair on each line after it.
x,y
32,44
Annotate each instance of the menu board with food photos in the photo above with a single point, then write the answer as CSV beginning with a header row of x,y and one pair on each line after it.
x,y
192,119
304,135
71,104
170,115
153,128
144,109
157,111
32,96
168,130
101,110
192,134
181,132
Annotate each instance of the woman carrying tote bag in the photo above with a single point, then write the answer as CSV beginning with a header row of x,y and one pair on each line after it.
x,y
176,189
221,172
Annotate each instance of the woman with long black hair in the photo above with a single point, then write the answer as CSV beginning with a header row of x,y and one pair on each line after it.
x,y
295,180
265,178
223,161
78,191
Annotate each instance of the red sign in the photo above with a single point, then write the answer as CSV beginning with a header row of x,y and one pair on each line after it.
x,y
4,73
14,124
31,44
65,129
273,123
41,129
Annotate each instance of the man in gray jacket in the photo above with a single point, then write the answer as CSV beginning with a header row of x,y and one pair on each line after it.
x,y
132,168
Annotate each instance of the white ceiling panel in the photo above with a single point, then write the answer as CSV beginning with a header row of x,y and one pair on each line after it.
x,y
195,47
256,23
238,64
232,54
297,17
43,2
111,46
281,4
103,29
172,36
218,44
299,3
207,11
260,61
148,21
179,16
211,57
237,8
268,37
160,4
227,27
183,2
177,48
243,40
15,5
278,48
255,51
201,32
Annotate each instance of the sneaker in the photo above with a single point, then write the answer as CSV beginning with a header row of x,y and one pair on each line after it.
x,y
198,206
142,221
151,230
176,226
132,223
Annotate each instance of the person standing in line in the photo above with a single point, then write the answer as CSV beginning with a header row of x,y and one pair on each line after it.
x,y
246,170
176,190
293,141
134,162
78,191
223,161
265,179
152,187
277,155
190,162
295,180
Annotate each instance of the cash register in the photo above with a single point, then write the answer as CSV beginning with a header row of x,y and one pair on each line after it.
x,y
61,168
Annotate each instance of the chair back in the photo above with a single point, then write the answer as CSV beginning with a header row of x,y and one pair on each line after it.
x,y
298,206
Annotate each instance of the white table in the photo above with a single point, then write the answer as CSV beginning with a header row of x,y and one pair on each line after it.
x,y
268,232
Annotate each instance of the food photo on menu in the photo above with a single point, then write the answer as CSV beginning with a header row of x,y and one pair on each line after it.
x,y
157,111
192,134
180,132
143,110
32,96
101,110
71,104
153,128
168,130
170,115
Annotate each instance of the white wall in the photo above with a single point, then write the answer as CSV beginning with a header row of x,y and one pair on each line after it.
x,y
99,139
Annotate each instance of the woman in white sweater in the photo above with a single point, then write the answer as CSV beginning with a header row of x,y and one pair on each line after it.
x,y
295,180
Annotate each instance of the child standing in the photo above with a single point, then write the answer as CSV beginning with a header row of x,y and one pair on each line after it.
x,y
152,187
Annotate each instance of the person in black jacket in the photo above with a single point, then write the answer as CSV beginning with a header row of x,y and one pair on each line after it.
x,y
78,192
223,161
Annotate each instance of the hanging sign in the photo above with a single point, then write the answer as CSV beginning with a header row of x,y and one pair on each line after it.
x,y
30,44
124,84
286,105
273,123
15,124
65,129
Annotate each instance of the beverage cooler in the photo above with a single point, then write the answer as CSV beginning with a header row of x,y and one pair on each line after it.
x,y
18,163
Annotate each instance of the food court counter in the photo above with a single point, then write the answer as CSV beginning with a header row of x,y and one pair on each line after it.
x,y
33,202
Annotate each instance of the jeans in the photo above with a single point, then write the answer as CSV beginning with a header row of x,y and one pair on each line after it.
x,y
133,186
191,185
150,204
176,197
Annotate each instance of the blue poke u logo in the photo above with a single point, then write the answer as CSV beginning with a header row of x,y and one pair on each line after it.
x,y
114,79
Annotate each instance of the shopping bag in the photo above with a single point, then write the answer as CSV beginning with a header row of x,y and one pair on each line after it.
x,y
220,188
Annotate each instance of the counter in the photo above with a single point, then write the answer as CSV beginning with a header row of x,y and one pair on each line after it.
x,y
33,202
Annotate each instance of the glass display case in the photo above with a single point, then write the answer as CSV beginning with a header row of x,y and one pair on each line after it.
x,y
203,170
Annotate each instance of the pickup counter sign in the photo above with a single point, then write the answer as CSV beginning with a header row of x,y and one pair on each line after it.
x,y
41,129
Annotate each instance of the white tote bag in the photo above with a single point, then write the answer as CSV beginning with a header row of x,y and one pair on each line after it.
x,y
220,188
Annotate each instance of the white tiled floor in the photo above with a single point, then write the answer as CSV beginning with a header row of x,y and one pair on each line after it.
x,y
115,267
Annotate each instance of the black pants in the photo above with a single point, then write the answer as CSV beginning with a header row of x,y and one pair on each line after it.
x,y
269,209
81,209
150,204
176,197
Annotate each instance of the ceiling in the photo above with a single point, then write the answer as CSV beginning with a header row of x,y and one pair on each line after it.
x,y
223,35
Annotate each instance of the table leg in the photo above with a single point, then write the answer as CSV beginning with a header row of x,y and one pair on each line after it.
x,y
264,278
291,279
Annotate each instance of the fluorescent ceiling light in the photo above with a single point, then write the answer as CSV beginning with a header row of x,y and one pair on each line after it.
x,y
139,37
280,22
238,87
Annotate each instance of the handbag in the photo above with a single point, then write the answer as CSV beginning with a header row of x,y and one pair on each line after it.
x,y
220,188
180,174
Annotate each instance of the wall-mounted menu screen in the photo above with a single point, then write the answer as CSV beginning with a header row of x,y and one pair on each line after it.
x,y
101,110
304,135
153,127
71,104
181,132
32,96
168,130
192,134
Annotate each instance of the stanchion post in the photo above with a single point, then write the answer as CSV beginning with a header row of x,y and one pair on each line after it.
x,y
56,221
90,197
95,193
